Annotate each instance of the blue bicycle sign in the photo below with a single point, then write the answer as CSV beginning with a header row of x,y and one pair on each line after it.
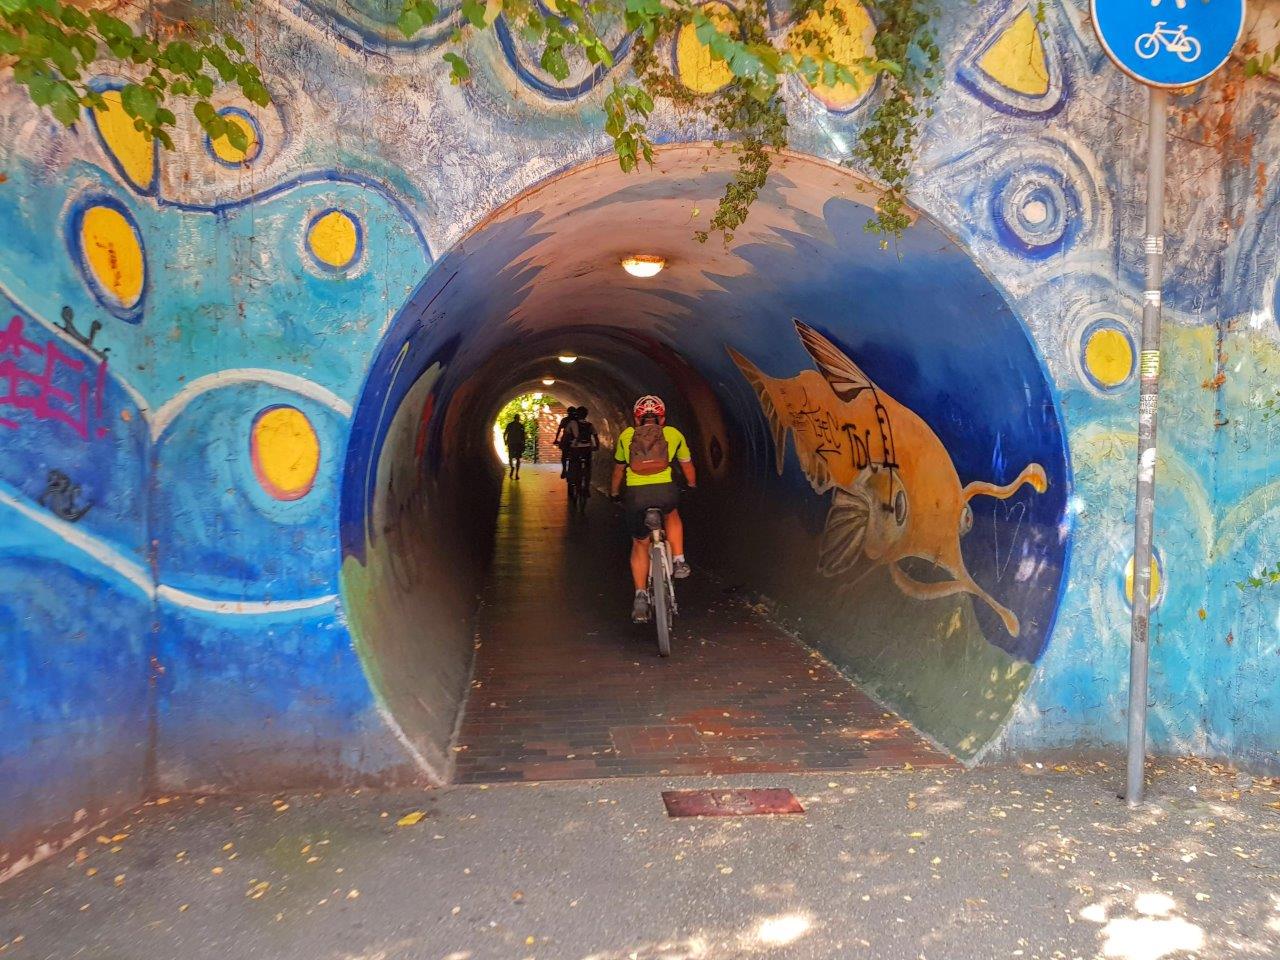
x,y
1168,43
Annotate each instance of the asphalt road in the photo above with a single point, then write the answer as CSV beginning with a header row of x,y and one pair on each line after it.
x,y
936,864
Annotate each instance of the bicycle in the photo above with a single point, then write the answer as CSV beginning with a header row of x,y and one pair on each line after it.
x,y
662,584
577,476
1186,48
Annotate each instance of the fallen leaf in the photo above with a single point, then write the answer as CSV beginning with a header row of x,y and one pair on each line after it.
x,y
216,871
119,880
352,894
409,819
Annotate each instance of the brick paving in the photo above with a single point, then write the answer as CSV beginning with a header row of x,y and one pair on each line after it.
x,y
565,687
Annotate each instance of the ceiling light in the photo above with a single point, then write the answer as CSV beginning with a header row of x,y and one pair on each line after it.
x,y
548,381
643,265
568,358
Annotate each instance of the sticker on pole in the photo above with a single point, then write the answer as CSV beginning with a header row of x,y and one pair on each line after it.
x,y
1168,43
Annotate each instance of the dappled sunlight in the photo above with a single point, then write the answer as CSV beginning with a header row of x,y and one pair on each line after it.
x,y
1154,934
694,948
761,936
782,930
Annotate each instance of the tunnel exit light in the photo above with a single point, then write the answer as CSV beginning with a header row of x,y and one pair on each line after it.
x,y
568,358
644,265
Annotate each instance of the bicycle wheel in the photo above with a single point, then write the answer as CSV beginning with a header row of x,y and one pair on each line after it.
x,y
660,596
1146,46
1189,51
574,481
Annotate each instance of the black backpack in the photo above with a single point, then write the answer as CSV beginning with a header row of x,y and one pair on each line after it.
x,y
580,433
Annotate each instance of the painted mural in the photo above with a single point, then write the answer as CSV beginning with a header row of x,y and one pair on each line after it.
x,y
896,495
194,342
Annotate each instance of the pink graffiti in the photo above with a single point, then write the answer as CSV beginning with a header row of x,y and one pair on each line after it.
x,y
30,375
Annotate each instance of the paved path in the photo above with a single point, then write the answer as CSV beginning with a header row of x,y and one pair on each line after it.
x,y
566,687
939,864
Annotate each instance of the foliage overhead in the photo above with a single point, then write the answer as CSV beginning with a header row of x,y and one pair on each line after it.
x,y
748,113
56,47
53,48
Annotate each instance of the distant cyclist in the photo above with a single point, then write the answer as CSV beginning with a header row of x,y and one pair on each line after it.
x,y
562,441
514,437
581,443
643,460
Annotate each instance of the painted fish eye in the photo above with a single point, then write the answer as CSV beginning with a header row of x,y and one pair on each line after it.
x,y
966,520
900,507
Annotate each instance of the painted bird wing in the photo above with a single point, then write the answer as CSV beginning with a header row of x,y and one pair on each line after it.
x,y
847,381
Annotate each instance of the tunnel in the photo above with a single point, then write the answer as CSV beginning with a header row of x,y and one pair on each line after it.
x,y
882,461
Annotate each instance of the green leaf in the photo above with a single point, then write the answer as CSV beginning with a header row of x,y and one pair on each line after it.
x,y
73,18
140,102
65,104
553,61
473,10
410,22
459,72
204,112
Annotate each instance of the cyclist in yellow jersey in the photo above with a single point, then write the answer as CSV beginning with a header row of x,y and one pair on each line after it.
x,y
642,466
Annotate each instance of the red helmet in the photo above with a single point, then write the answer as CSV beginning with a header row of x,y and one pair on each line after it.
x,y
650,406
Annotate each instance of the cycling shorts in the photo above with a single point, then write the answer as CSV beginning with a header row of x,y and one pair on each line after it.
x,y
641,497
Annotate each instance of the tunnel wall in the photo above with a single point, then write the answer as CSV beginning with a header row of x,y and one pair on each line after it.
x,y
188,337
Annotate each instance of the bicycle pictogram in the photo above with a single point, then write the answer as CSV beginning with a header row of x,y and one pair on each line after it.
x,y
1177,42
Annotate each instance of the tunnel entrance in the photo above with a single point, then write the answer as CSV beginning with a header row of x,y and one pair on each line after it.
x,y
881,457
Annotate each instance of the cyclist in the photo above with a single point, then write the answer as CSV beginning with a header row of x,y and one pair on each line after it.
x,y
562,441
581,443
643,460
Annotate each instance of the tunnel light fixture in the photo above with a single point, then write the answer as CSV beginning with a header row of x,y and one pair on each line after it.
x,y
568,358
548,381
643,265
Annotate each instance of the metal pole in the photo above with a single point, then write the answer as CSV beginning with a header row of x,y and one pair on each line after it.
x,y
1149,378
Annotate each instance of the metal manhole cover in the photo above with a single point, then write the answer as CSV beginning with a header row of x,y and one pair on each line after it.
x,y
731,803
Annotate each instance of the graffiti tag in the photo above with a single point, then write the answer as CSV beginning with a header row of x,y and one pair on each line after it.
x,y
60,496
47,383
69,325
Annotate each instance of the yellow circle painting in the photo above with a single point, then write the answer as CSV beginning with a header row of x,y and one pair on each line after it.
x,y
334,239
285,452
112,252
